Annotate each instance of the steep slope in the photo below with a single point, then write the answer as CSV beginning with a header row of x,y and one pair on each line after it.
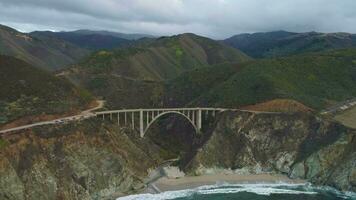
x,y
27,91
192,84
316,80
94,159
89,41
163,58
298,145
84,160
136,71
45,52
281,43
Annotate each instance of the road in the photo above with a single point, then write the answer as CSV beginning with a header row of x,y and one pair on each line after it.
x,y
347,118
83,115
340,107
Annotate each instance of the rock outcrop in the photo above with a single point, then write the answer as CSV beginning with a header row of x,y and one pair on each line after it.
x,y
97,160
88,160
299,145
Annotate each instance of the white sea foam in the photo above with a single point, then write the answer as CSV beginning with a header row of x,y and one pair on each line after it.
x,y
222,188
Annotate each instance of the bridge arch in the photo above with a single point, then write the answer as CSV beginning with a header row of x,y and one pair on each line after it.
x,y
146,117
167,113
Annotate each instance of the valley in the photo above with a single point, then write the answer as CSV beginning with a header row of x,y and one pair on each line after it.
x,y
273,88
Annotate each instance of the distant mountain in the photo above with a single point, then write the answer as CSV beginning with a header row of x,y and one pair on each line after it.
x,y
92,41
123,74
46,52
163,58
282,43
28,91
127,36
315,79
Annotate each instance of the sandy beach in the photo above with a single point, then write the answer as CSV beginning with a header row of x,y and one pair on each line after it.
x,y
187,182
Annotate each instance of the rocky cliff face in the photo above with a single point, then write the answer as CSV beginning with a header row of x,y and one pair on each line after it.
x,y
87,160
96,160
299,145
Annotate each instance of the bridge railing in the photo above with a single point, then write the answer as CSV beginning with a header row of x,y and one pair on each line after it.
x,y
160,109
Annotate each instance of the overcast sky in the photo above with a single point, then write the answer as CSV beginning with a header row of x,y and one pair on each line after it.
x,y
212,18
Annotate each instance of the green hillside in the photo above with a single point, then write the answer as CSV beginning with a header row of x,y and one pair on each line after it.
x,y
190,85
139,71
315,79
46,52
93,42
282,43
27,90
163,58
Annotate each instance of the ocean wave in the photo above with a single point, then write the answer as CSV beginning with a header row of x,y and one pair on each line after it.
x,y
225,188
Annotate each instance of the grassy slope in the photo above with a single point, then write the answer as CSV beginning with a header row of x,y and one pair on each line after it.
x,y
45,52
27,90
122,75
316,80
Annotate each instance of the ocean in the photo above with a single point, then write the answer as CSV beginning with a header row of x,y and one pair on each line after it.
x,y
249,192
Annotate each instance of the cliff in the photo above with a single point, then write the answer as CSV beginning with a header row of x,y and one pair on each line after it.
x,y
88,160
299,145
98,160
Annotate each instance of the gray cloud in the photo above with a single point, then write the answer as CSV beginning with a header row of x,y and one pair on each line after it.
x,y
213,18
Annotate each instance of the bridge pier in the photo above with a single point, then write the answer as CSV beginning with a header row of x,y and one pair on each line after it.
x,y
194,115
199,120
141,123
133,120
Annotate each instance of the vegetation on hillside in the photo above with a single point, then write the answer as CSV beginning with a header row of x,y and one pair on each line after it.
x,y
134,77
27,90
281,43
161,59
192,84
49,53
315,79
91,41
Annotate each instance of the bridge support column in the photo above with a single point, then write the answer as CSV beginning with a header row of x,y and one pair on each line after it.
x,y
133,120
199,120
141,123
118,119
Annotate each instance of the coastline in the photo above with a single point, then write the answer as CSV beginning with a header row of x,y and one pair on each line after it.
x,y
189,182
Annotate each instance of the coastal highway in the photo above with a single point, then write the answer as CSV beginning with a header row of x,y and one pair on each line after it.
x,y
340,107
83,115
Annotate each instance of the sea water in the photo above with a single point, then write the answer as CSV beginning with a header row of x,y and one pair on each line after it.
x,y
250,192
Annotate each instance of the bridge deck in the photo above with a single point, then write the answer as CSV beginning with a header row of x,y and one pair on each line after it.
x,y
161,109
181,109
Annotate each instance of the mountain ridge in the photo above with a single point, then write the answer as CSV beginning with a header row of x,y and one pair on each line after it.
x,y
122,74
316,80
47,53
283,43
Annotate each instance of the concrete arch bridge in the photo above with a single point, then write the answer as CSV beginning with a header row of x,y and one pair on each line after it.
x,y
144,118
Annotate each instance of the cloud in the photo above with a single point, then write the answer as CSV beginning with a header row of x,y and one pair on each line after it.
x,y
213,18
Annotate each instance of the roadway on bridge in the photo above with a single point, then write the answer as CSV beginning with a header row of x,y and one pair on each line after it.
x,y
83,115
